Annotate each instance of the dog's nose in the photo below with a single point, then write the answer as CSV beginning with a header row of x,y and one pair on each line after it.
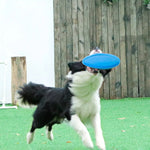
x,y
97,49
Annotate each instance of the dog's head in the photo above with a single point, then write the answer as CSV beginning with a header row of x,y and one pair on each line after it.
x,y
78,66
92,70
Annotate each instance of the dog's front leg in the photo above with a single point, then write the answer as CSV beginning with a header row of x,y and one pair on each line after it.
x,y
80,128
98,132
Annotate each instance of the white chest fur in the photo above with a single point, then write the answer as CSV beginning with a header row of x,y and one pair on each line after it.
x,y
85,87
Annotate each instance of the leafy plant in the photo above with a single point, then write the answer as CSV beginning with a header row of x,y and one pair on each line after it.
x,y
146,2
110,1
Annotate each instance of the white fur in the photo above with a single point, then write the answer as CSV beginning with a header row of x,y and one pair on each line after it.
x,y
95,51
69,75
30,136
86,105
49,134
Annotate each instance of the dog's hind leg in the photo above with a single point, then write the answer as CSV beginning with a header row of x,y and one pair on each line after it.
x,y
49,132
30,135
81,130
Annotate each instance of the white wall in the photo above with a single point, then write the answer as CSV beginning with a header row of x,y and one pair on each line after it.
x,y
26,29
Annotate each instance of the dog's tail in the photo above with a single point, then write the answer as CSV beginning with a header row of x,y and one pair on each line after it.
x,y
32,93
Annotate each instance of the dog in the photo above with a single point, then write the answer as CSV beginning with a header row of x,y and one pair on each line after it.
x,y
86,101
78,103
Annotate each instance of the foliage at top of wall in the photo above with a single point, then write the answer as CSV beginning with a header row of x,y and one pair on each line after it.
x,y
109,1
145,2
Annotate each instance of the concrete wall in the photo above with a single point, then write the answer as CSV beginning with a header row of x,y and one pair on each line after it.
x,y
26,29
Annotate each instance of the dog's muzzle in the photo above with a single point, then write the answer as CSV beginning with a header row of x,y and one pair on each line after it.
x,y
92,70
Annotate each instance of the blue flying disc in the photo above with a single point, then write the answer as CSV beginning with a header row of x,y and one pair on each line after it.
x,y
101,61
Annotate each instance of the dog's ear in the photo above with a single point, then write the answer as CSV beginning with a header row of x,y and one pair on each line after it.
x,y
76,67
70,65
105,72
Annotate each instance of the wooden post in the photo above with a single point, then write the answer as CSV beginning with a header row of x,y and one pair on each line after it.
x,y
19,75
58,81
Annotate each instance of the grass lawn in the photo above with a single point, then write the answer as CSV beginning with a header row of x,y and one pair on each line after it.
x,y
125,123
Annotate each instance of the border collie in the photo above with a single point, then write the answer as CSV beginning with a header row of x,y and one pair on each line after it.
x,y
86,101
78,102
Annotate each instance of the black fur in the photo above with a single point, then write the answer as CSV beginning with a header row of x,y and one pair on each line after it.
x,y
78,66
32,93
53,104
105,72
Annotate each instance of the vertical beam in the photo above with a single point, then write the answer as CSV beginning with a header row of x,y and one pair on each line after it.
x,y
75,30
134,49
127,19
57,43
81,28
86,27
92,24
140,48
69,38
62,34
105,46
19,75
117,49
111,50
122,48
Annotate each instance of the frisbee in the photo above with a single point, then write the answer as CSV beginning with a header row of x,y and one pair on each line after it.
x,y
101,61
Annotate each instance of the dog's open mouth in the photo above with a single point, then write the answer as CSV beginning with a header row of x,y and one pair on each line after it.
x,y
92,70
94,51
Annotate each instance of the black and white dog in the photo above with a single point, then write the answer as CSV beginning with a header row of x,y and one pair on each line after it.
x,y
78,102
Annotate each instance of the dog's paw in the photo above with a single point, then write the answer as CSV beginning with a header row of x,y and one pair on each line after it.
x,y
49,135
88,143
30,137
101,146
100,143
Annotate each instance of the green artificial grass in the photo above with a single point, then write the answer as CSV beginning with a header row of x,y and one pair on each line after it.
x,y
125,123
